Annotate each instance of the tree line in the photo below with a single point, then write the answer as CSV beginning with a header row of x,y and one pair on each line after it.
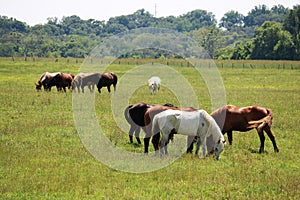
x,y
263,34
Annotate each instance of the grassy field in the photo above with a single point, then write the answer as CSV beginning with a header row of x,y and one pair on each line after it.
x,y
42,156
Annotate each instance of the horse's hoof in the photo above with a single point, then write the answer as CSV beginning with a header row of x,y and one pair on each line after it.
x,y
261,151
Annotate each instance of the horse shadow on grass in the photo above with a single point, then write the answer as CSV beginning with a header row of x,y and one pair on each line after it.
x,y
255,151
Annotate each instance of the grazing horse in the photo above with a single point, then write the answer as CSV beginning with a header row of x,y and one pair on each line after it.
x,y
106,80
44,79
61,81
231,118
154,84
134,115
196,124
148,118
86,79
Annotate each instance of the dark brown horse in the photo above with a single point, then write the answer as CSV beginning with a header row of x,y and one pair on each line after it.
x,y
134,115
44,79
231,118
61,81
106,80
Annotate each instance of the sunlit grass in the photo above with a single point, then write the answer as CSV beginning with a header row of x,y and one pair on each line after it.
x,y
42,156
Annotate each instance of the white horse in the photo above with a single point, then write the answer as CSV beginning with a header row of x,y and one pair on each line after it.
x,y
197,123
154,84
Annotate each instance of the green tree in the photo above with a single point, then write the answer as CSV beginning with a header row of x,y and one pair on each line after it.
x,y
231,19
243,51
292,25
210,38
272,42
260,14
197,19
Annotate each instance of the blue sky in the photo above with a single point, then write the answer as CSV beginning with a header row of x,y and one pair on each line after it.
x,y
37,11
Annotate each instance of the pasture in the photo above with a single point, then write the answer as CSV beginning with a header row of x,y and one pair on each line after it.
x,y
42,156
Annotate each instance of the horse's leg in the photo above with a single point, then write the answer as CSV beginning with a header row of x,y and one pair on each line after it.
x,y
204,148
146,144
155,141
262,139
137,134
99,89
163,144
190,144
131,133
108,89
115,87
268,130
198,143
229,135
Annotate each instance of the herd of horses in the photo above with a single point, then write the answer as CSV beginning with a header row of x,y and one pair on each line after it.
x,y
162,122
67,80
200,127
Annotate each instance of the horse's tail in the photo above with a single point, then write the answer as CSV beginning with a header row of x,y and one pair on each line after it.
x,y
115,81
266,121
126,114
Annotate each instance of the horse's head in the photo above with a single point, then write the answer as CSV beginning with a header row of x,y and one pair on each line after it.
x,y
219,147
38,86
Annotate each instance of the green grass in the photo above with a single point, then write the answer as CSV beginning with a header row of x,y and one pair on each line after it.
x,y
42,156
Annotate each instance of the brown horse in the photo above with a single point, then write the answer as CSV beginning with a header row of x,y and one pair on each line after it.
x,y
44,79
231,118
106,80
61,81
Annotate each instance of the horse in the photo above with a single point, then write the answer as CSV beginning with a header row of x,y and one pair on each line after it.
x,y
43,80
154,84
106,80
134,115
194,123
61,81
148,117
85,79
231,118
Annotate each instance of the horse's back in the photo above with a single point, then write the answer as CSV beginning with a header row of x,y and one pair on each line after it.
x,y
233,118
183,122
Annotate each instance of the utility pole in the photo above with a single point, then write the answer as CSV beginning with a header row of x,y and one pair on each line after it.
x,y
155,10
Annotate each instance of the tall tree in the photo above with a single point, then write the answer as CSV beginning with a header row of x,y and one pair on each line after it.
x,y
231,19
210,38
260,14
198,19
272,42
292,24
